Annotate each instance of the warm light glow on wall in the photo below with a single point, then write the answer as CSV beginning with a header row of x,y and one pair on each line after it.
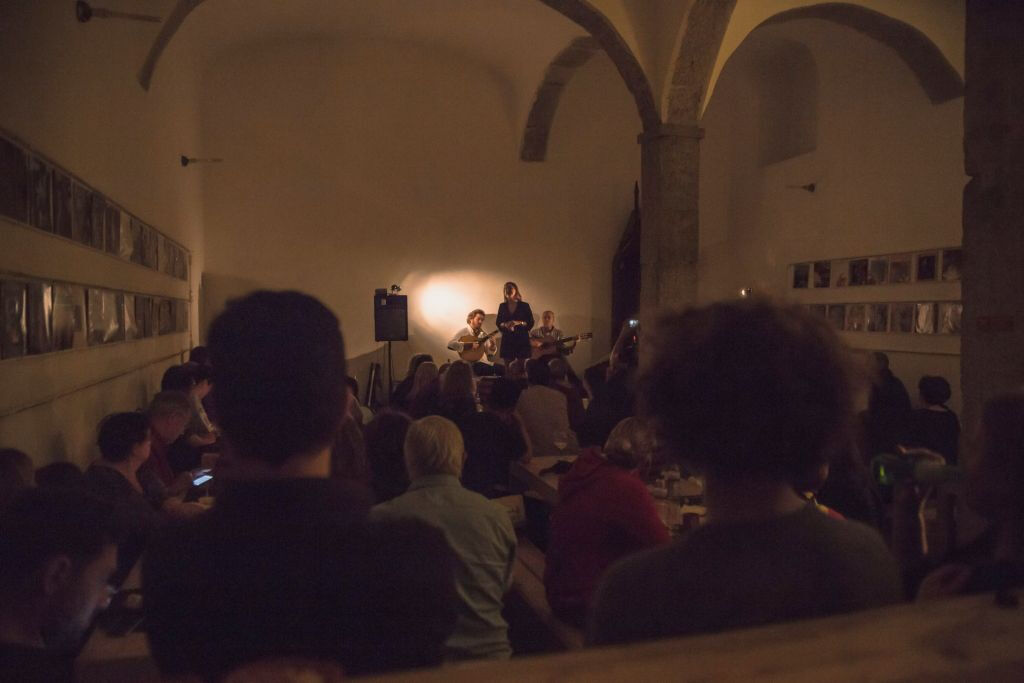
x,y
439,302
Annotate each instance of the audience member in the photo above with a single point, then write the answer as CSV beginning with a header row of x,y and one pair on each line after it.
x,y
457,397
124,443
200,432
355,408
935,426
888,415
58,551
424,396
15,474
199,355
995,559
560,373
613,393
753,396
385,439
348,456
848,488
517,372
544,414
178,378
494,439
479,532
400,396
286,564
171,457
604,513
60,475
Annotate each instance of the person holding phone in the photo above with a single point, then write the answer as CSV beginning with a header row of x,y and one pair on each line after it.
x,y
515,320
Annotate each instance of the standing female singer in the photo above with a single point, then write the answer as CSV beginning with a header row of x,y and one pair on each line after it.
x,y
515,319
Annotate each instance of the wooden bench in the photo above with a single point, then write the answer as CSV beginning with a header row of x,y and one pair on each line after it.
x,y
528,584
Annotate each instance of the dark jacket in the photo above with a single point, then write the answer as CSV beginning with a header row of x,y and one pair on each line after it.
x,y
515,344
292,568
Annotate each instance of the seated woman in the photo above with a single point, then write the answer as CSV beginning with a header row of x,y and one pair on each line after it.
x,y
479,532
457,396
604,513
423,396
385,438
935,426
494,440
124,442
753,396
995,559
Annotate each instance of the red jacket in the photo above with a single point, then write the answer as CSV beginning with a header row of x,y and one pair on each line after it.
x,y
604,513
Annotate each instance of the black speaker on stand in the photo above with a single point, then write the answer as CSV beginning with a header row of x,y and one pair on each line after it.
x,y
390,323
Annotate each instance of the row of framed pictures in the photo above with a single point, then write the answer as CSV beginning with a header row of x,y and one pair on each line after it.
x,y
42,316
41,194
894,269
929,317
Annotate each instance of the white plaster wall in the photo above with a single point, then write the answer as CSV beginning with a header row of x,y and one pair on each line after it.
x,y
69,91
354,165
889,173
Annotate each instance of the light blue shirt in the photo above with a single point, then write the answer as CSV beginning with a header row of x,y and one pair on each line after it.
x,y
481,535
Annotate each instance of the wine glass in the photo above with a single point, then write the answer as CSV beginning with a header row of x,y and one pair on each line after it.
x,y
560,440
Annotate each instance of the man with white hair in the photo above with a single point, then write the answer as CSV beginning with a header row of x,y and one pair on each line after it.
x,y
479,532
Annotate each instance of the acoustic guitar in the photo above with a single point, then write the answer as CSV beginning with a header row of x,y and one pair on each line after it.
x,y
545,346
473,354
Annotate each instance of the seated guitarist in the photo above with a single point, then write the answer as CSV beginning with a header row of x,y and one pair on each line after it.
x,y
475,321
547,334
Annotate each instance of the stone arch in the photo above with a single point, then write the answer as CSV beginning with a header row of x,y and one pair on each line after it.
x,y
545,103
937,77
604,32
702,37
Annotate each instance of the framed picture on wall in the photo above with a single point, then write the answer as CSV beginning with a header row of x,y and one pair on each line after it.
x,y
81,214
131,325
899,269
878,271
952,262
878,318
164,316
801,275
927,266
39,316
12,301
62,205
125,241
822,274
902,318
104,316
98,208
837,315
840,273
144,316
859,272
950,317
40,192
14,181
112,230
924,318
150,253
856,318
68,317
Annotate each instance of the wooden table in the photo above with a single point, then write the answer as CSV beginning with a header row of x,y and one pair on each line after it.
x,y
962,639
118,658
529,474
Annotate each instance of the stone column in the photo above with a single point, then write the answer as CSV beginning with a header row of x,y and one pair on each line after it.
x,y
993,213
670,173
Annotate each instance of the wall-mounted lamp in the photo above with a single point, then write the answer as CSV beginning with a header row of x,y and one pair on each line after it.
x,y
84,12
185,161
745,292
810,187
395,289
